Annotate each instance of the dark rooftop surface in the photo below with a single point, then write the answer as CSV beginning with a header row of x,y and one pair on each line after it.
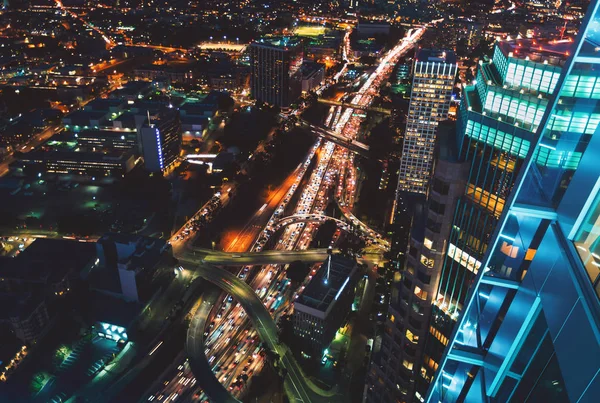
x,y
19,305
434,55
319,294
49,260
113,310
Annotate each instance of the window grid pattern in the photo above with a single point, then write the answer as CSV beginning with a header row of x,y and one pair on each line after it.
x,y
531,75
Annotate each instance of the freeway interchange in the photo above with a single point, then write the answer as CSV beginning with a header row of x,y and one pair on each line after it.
x,y
257,292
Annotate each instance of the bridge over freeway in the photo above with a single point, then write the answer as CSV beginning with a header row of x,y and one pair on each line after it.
x,y
350,144
208,256
354,106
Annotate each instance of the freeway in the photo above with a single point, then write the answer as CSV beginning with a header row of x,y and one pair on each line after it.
x,y
337,138
263,323
229,339
367,232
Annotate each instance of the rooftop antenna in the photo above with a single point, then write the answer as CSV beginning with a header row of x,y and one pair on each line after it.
x,y
148,111
329,252
562,31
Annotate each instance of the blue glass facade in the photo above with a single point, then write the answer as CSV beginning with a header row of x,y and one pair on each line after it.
x,y
528,329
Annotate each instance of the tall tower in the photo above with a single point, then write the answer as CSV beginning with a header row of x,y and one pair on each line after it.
x,y
433,80
275,70
520,285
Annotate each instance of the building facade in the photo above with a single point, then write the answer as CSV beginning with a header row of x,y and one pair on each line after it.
x,y
523,310
161,141
276,77
433,80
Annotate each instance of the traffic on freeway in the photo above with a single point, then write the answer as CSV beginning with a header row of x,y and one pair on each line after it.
x,y
233,345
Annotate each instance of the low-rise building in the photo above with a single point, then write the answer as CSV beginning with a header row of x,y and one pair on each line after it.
x,y
132,267
313,74
26,314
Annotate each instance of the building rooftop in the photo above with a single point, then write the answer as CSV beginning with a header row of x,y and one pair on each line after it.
x,y
435,55
319,293
114,310
145,251
283,42
84,117
19,305
48,260
104,105
76,155
555,51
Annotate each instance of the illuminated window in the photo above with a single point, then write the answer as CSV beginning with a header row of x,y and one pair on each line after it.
x,y
425,261
428,243
530,254
420,293
407,364
411,336
464,258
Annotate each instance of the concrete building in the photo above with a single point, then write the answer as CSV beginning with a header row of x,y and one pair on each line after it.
x,y
528,326
313,75
321,308
433,80
131,267
275,70
26,314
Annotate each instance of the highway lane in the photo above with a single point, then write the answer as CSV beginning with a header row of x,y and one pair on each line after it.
x,y
194,347
262,321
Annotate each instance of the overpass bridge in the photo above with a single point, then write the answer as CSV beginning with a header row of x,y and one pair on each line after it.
x,y
352,145
208,256
354,106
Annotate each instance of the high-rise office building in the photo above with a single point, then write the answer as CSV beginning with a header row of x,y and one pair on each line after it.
x,y
433,80
275,70
391,375
160,140
529,327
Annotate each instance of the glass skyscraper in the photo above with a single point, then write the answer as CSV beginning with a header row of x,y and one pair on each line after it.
x,y
522,262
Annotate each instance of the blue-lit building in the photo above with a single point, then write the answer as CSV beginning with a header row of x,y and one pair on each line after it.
x,y
527,325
